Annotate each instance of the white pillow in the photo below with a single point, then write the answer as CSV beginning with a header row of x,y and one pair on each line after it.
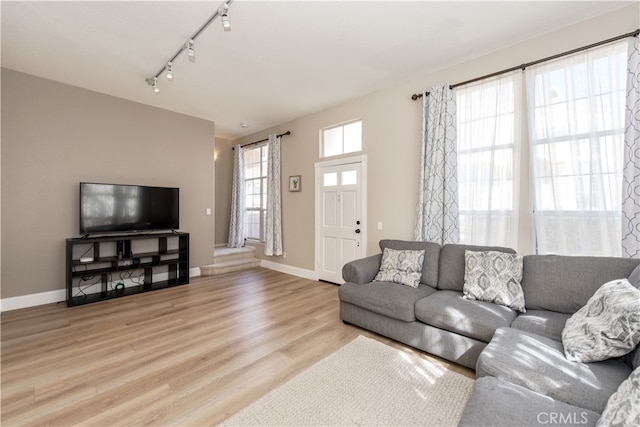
x,y
607,326
404,267
623,407
495,277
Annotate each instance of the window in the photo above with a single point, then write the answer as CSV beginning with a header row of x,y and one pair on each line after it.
x,y
575,107
255,174
487,137
576,115
341,139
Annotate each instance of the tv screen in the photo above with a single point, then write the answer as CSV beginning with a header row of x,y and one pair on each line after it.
x,y
108,208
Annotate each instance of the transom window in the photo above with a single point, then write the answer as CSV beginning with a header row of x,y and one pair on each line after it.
x,y
341,139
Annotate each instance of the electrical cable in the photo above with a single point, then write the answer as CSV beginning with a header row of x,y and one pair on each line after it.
x,y
81,289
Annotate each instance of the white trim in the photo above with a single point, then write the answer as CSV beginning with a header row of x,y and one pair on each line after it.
x,y
49,297
24,301
288,269
362,158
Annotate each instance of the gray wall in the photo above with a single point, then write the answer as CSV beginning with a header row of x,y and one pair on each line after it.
x,y
54,136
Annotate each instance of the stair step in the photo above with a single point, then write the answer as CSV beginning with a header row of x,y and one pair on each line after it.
x,y
227,260
226,254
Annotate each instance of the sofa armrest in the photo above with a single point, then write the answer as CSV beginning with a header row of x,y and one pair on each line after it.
x,y
362,270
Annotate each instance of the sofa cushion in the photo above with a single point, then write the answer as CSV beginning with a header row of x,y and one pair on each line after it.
x,y
362,270
634,277
386,298
623,407
542,322
431,257
608,326
401,266
451,270
448,310
495,402
538,363
493,276
565,283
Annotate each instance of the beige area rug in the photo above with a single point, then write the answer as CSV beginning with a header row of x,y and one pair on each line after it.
x,y
364,383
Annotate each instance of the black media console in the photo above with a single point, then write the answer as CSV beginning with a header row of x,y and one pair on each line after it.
x,y
100,268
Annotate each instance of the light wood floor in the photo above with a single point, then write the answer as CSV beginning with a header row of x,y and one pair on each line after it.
x,y
189,355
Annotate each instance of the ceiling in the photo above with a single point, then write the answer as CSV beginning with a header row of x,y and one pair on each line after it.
x,y
282,59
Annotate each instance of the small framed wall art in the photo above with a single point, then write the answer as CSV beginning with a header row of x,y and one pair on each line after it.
x,y
295,183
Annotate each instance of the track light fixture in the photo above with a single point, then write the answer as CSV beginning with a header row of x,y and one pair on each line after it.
x,y
224,16
223,12
226,23
191,52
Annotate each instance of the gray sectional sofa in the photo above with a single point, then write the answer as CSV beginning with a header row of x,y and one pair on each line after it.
x,y
523,377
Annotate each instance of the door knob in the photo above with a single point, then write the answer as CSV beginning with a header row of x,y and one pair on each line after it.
x,y
358,222
357,231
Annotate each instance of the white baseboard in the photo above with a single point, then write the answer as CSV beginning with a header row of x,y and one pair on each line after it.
x,y
23,301
294,271
31,300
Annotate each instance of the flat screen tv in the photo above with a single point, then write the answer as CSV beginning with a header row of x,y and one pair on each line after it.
x,y
111,208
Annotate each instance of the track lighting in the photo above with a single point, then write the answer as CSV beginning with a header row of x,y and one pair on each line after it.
x,y
191,52
224,16
226,23
223,13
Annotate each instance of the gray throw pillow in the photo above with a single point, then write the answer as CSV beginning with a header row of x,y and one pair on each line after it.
x,y
495,277
623,407
607,326
404,267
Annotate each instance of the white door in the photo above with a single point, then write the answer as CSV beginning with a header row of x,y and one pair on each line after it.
x,y
340,228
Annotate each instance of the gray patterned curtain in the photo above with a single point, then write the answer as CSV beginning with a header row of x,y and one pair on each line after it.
x,y
273,231
631,167
236,223
437,209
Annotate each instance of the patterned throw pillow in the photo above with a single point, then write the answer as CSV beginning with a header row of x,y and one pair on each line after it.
x,y
404,267
623,407
607,326
495,277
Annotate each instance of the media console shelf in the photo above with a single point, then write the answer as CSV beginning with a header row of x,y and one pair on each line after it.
x,y
100,268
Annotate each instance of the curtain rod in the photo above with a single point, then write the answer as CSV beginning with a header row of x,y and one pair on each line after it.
x,y
263,140
522,67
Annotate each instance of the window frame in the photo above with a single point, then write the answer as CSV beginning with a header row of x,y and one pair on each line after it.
x,y
505,218
599,213
324,130
262,178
